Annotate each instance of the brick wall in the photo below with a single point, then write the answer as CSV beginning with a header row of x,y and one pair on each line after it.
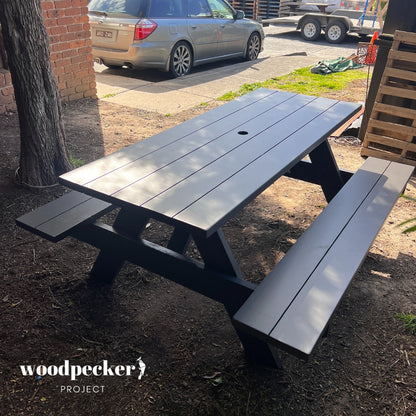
x,y
67,25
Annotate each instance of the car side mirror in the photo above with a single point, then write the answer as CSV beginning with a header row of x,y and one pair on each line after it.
x,y
239,15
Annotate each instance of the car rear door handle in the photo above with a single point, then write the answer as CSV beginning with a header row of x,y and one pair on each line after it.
x,y
193,26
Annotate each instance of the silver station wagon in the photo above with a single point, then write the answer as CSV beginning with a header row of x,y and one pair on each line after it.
x,y
172,35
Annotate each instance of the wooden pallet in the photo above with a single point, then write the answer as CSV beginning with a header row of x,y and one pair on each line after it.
x,y
391,130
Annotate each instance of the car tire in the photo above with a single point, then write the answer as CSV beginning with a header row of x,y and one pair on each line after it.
x,y
335,32
253,47
310,29
181,60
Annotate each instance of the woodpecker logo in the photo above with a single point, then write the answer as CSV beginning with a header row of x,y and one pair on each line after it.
x,y
74,372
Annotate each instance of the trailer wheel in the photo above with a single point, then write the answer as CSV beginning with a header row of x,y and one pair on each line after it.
x,y
335,32
310,29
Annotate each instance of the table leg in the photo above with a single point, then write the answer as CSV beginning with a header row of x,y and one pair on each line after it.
x,y
218,256
179,240
108,263
326,169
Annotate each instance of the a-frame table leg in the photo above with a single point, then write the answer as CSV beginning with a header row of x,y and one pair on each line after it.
x,y
108,263
217,255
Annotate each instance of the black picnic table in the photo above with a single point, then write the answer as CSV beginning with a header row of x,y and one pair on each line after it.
x,y
197,176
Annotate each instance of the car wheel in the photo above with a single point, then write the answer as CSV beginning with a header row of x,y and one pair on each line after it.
x,y
180,60
253,47
310,29
335,32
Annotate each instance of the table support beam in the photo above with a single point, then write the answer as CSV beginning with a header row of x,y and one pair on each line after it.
x,y
109,261
232,291
326,170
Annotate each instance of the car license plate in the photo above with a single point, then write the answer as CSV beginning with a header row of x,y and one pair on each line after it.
x,y
104,34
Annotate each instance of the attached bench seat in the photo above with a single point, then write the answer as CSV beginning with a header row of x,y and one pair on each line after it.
x,y
58,218
291,308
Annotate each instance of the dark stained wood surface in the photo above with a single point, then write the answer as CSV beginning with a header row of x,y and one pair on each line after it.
x,y
204,170
294,303
58,218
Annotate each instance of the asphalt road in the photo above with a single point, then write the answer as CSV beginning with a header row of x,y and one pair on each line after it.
x,y
284,51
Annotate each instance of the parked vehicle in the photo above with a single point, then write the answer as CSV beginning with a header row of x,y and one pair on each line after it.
x,y
172,35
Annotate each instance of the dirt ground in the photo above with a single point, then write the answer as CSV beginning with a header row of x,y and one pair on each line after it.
x,y
195,364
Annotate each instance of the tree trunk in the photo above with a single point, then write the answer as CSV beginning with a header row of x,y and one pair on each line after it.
x,y
43,154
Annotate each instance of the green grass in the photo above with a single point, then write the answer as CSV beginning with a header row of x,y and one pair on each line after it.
x,y
301,81
109,95
76,162
409,321
411,220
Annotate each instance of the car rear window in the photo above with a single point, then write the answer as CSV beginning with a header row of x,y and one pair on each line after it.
x,y
119,8
167,8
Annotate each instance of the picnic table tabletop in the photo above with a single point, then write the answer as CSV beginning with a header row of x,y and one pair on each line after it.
x,y
200,173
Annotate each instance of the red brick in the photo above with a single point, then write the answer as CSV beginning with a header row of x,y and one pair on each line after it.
x,y
71,68
77,59
7,90
58,71
2,78
77,44
63,4
11,107
81,19
70,53
90,94
82,88
58,47
47,5
79,3
58,30
6,99
87,65
88,79
63,62
74,11
75,28
54,14
65,21
50,22
68,37
74,82
56,56
76,96
84,34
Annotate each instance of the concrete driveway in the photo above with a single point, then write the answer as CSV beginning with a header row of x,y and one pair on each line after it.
x,y
284,51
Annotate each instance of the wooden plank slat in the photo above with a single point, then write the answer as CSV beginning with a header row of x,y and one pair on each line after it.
x,y
371,152
400,73
272,297
179,184
393,128
374,139
159,170
55,220
293,304
92,171
395,110
307,316
214,208
398,92
406,37
402,55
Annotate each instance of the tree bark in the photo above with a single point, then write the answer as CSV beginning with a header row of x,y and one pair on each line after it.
x,y
43,153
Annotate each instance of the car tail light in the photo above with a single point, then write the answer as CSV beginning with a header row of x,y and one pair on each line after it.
x,y
144,27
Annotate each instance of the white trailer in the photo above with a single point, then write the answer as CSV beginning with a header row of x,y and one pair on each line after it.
x,y
335,25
